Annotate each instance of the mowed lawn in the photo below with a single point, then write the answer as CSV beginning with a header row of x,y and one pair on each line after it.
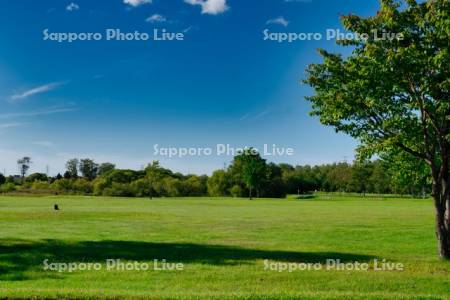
x,y
223,244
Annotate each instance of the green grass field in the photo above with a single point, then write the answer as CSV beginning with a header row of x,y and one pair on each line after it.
x,y
223,244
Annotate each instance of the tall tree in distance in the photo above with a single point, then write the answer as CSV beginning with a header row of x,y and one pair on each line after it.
x,y
88,168
158,178
105,168
252,169
219,183
393,94
155,173
72,168
24,165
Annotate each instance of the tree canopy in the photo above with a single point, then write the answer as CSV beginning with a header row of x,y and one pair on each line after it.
x,y
393,94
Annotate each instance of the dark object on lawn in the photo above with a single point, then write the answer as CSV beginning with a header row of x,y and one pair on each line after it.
x,y
56,207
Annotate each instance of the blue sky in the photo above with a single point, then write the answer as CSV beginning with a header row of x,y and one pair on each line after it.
x,y
114,100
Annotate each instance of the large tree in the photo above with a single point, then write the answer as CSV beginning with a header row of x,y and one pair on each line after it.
x,y
219,183
155,174
88,168
394,94
105,168
72,168
24,165
250,168
408,174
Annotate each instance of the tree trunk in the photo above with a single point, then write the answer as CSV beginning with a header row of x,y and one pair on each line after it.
x,y
442,231
441,197
250,193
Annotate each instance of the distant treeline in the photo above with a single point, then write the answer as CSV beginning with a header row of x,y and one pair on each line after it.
x,y
247,175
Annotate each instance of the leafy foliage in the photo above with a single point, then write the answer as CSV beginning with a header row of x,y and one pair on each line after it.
x,y
393,94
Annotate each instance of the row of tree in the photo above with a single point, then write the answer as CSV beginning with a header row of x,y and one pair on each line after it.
x,y
247,176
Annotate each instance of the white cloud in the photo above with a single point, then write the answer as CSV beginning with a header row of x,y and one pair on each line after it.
x,y
37,90
156,18
12,125
72,7
41,112
212,7
280,21
136,3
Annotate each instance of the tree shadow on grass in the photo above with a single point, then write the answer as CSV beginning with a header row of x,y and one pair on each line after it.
x,y
17,257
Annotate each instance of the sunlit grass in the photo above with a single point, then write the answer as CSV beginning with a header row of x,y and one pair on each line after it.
x,y
223,244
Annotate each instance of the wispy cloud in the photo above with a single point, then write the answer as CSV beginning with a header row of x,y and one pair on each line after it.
x,y
34,91
187,29
72,7
136,3
45,111
156,18
280,21
12,125
46,144
212,7
244,117
254,117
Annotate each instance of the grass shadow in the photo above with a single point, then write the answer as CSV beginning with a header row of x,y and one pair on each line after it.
x,y
17,257
302,197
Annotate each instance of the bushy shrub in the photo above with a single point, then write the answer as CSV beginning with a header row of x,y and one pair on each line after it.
x,y
82,186
7,187
194,186
37,177
63,185
159,188
123,176
40,185
99,185
219,184
172,186
119,190
236,191
14,179
141,188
